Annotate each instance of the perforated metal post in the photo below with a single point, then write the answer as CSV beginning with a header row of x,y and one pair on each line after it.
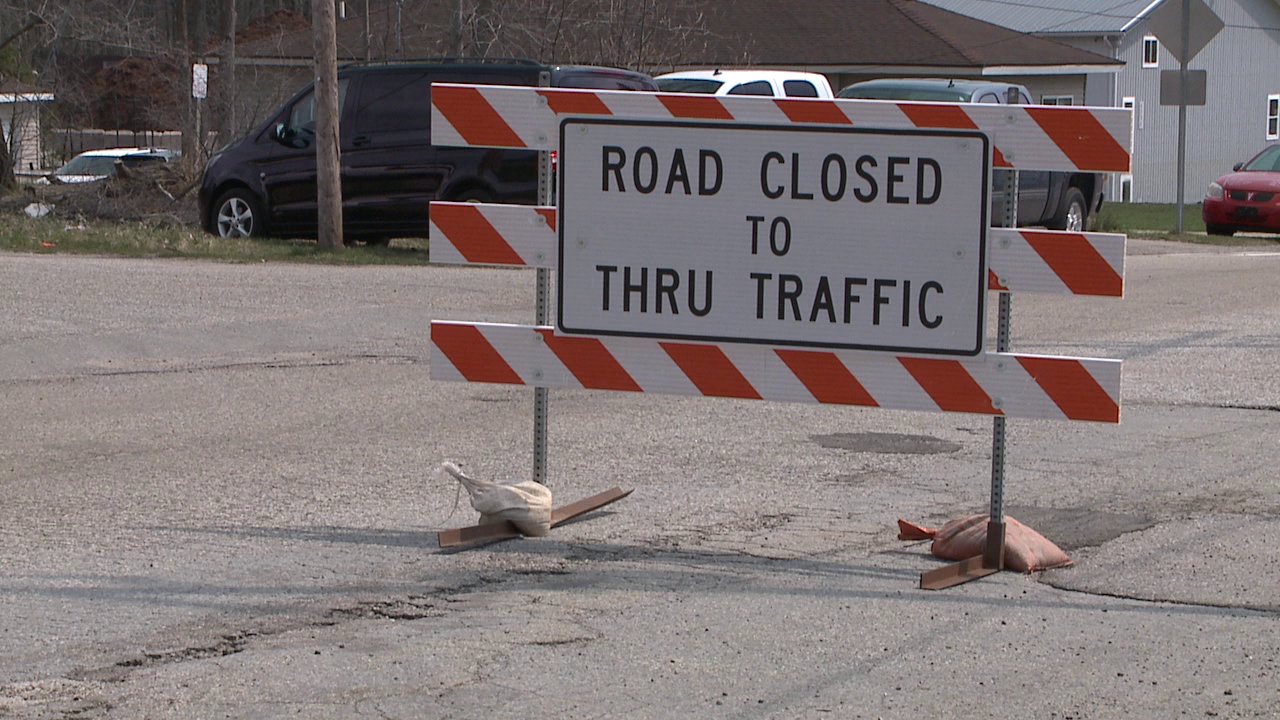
x,y
543,316
993,556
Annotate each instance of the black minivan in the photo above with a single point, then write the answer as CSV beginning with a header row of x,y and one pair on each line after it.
x,y
265,183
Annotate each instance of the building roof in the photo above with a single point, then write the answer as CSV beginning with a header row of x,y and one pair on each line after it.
x,y
902,33
1054,17
832,35
12,91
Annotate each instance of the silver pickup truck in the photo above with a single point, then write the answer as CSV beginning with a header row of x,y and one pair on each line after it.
x,y
1056,200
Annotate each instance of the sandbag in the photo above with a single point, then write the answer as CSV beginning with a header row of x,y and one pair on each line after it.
x,y
1025,550
525,503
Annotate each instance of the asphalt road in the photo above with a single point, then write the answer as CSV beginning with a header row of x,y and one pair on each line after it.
x,y
219,500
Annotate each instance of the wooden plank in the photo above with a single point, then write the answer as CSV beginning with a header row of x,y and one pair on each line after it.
x,y
956,573
1023,260
504,530
1017,386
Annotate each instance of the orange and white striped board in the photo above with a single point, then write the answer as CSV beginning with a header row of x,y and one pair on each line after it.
x,y
1003,384
1025,137
1040,261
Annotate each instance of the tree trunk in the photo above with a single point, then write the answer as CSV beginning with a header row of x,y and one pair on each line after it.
x,y
8,182
229,129
328,179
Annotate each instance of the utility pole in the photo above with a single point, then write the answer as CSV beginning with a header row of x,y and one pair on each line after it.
x,y
229,75
328,179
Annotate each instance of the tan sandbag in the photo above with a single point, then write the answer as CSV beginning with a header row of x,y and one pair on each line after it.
x,y
1025,550
525,503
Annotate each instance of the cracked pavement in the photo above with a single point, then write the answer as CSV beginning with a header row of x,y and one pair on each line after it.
x,y
219,501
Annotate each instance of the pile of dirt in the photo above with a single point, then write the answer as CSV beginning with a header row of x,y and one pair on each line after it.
x,y
160,194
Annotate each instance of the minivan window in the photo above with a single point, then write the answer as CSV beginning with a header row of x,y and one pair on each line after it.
x,y
759,87
394,102
799,88
303,114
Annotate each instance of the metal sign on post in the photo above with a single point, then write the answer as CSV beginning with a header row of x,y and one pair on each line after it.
x,y
1184,27
827,237
666,186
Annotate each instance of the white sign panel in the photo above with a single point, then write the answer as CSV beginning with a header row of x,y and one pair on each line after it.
x,y
825,237
199,81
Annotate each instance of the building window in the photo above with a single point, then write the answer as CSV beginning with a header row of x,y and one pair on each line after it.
x,y
1057,100
1273,117
1150,51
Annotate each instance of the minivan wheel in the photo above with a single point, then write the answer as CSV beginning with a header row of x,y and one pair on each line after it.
x,y
1074,212
238,214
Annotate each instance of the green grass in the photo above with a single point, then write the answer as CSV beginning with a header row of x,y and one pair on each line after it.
x,y
1160,221
20,233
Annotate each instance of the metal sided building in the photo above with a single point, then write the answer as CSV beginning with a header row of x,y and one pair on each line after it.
x,y
1242,100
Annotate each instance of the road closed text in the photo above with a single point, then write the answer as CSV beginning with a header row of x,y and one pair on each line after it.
x,y
895,179
829,237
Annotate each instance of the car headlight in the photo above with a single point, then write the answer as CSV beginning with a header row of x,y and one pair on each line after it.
x,y
1214,191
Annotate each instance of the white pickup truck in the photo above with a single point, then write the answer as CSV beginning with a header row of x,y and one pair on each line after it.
x,y
775,83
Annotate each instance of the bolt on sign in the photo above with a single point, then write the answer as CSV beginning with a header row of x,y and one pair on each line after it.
x,y
804,250
824,237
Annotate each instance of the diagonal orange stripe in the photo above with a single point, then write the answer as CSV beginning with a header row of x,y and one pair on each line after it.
x,y
695,106
550,215
993,282
474,118
950,385
473,355
590,362
575,102
813,111
938,116
711,371
826,378
473,235
1072,388
1082,138
1077,262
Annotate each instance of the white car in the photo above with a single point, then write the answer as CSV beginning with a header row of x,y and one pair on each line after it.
x,y
775,83
94,165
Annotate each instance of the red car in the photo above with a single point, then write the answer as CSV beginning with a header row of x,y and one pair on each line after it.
x,y
1247,200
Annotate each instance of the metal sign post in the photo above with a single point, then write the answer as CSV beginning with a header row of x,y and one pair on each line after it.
x,y
543,301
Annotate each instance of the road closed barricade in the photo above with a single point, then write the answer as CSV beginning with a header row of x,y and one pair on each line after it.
x,y
799,250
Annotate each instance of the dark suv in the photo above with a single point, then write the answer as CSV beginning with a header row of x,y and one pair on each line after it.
x,y
265,183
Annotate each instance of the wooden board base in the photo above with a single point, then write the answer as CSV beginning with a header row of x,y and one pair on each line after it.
x,y
505,531
956,573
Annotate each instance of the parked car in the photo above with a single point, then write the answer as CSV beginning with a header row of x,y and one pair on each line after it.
x,y
776,83
94,165
1247,199
1057,200
265,182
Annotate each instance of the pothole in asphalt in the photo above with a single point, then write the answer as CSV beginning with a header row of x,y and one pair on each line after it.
x,y
894,443
1074,528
